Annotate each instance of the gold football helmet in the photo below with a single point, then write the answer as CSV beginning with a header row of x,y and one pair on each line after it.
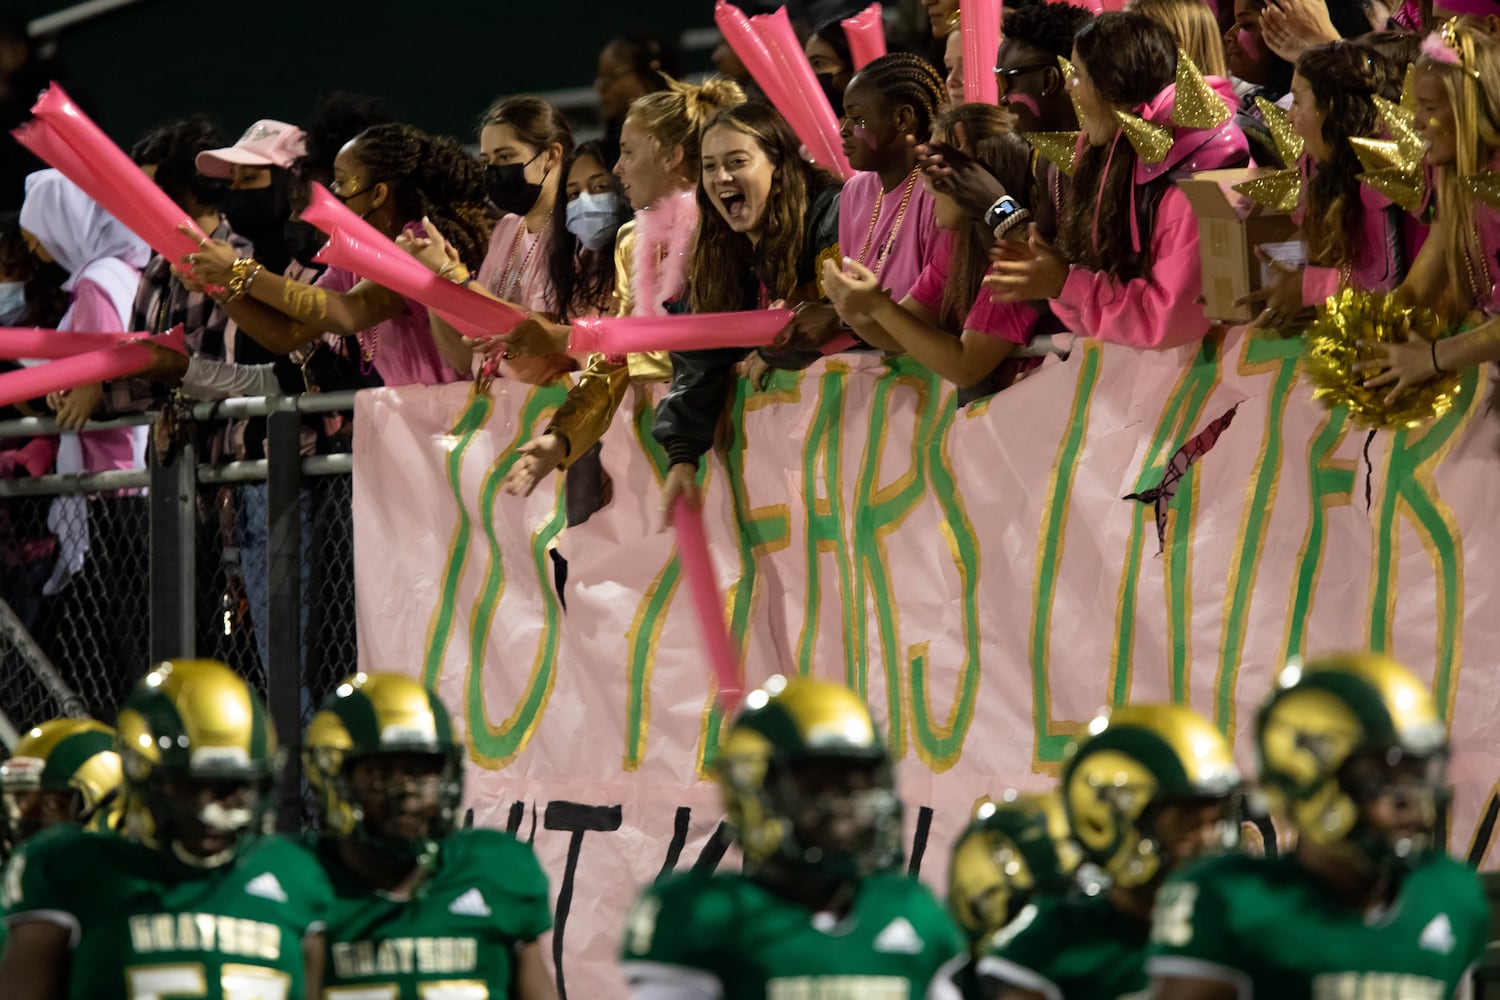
x,y
802,766
1338,732
199,757
73,760
1013,851
1129,764
402,736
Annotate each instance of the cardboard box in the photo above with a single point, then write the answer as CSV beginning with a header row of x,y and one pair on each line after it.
x,y
1229,227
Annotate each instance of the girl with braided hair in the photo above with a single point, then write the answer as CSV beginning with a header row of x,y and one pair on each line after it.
x,y
1352,233
393,177
886,216
945,320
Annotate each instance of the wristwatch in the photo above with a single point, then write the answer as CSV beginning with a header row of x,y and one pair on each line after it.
x,y
1001,211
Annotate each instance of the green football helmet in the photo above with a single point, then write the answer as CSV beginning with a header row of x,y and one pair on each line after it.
x,y
199,755
1012,852
374,731
1332,736
72,760
1128,764
800,768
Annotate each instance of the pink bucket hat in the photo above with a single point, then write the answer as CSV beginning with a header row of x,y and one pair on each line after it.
x,y
267,143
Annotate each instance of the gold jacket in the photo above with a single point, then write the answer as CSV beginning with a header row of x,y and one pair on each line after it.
x,y
591,404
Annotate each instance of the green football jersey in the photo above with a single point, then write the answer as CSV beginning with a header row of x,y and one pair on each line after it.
x,y
1270,928
454,938
1073,947
735,938
146,927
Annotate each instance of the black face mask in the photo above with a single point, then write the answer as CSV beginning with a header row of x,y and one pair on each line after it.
x,y
260,216
302,240
834,94
508,188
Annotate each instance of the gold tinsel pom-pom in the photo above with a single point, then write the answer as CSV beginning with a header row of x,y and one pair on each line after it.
x,y
1331,349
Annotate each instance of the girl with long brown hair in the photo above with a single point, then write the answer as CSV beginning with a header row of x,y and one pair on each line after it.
x,y
658,168
1351,232
765,218
1126,266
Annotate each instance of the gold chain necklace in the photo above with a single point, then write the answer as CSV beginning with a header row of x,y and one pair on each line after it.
x,y
880,258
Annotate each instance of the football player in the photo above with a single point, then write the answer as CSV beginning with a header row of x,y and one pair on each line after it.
x,y
1353,754
62,771
1013,852
189,903
422,909
809,790
1146,789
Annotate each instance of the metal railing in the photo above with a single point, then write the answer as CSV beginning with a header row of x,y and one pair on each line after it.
x,y
249,562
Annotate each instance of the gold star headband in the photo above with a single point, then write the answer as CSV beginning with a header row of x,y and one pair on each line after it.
x,y
1195,105
1061,147
1281,190
1394,166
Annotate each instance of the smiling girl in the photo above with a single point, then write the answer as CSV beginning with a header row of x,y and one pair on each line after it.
x,y
766,218
1457,272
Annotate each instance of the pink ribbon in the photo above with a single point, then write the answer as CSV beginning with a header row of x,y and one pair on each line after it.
x,y
694,332
979,20
697,568
768,47
65,138
866,34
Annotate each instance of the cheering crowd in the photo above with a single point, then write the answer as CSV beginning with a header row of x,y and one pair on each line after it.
x,y
980,238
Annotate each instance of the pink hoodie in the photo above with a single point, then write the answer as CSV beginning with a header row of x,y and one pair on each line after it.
x,y
1377,261
1163,310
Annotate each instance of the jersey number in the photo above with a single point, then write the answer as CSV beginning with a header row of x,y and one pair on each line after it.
x,y
453,989
1172,924
188,982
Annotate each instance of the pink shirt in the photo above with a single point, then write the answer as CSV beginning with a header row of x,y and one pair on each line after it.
x,y
912,246
93,311
1157,312
516,270
401,349
1005,320
1377,255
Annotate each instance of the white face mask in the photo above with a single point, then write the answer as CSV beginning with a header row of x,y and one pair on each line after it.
x,y
12,302
593,218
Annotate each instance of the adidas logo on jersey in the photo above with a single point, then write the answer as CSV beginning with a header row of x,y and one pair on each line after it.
x,y
470,904
899,937
1437,936
265,886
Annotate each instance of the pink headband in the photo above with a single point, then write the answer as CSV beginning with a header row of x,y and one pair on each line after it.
x,y
1439,51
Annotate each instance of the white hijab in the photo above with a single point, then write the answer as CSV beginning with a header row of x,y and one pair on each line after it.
x,y
84,239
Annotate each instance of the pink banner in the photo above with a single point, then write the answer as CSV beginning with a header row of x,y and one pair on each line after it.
x,y
693,332
976,574
866,34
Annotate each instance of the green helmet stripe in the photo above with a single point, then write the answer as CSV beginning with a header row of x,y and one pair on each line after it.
x,y
71,753
442,725
1363,700
1151,750
261,733
163,722
357,712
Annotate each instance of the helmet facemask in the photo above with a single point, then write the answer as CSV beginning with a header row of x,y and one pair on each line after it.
x,y
1398,796
839,815
204,820
400,803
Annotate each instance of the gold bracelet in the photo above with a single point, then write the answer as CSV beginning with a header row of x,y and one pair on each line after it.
x,y
242,272
455,272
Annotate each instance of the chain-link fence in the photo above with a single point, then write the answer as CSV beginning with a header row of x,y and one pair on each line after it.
x,y
101,575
